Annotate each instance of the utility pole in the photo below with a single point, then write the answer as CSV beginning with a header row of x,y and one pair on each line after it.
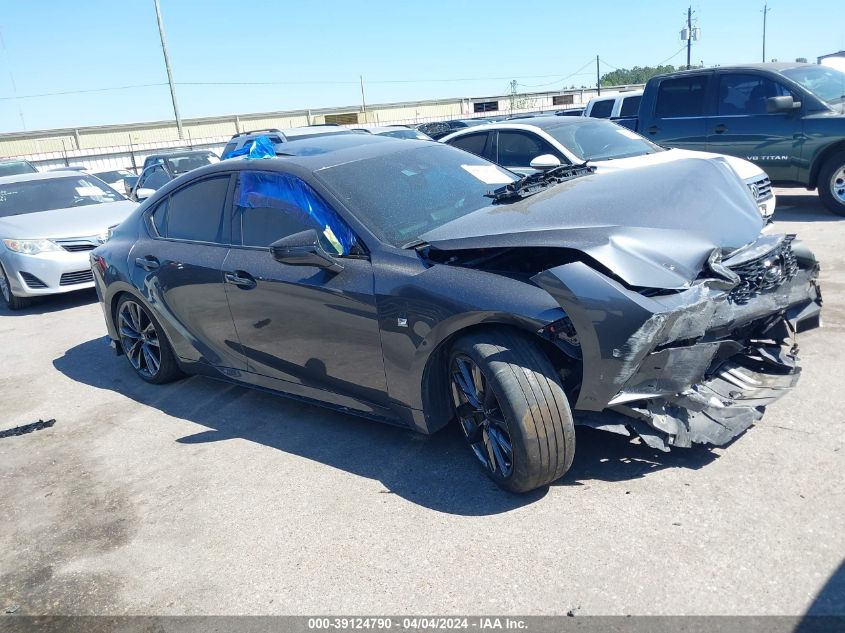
x,y
688,34
598,77
766,9
363,100
689,39
169,73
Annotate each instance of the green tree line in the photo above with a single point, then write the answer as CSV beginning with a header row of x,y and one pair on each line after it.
x,y
636,75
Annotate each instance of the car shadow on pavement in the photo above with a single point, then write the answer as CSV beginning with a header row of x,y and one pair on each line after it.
x,y
52,303
802,208
436,472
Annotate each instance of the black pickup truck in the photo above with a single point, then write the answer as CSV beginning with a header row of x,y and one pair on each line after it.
x,y
787,118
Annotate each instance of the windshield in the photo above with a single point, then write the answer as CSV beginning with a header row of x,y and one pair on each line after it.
x,y
400,196
407,134
16,167
824,82
32,196
179,165
600,140
113,176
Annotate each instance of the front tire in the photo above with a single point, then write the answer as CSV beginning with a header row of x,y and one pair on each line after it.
x,y
12,301
512,409
144,343
831,184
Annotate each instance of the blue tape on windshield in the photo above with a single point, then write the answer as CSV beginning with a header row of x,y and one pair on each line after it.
x,y
261,147
281,191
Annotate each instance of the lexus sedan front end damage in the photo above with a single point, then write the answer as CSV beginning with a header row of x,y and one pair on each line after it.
x,y
420,285
684,333
699,365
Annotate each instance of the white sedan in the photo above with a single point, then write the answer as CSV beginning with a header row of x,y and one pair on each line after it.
x,y
532,144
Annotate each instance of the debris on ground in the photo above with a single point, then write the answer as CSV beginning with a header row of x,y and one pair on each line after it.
x,y
27,428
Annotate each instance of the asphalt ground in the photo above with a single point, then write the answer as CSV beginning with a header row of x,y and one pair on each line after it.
x,y
204,498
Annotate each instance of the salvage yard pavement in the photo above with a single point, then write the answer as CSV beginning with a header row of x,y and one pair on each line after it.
x,y
203,498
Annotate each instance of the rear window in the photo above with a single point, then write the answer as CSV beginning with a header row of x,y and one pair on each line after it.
x,y
16,167
630,106
183,164
472,143
681,97
602,109
195,212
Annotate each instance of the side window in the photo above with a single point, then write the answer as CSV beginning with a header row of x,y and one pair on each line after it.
x,y
472,143
602,109
684,96
630,106
155,178
160,218
273,205
747,94
518,149
195,212
230,147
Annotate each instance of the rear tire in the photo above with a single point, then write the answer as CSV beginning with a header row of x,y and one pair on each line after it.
x,y
831,184
512,409
144,343
12,301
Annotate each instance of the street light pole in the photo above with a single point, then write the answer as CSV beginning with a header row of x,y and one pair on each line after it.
x,y
169,73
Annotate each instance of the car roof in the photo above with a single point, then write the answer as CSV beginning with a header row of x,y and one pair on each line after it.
x,y
318,152
315,130
177,152
541,122
771,66
375,129
42,175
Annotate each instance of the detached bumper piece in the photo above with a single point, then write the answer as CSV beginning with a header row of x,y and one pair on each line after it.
x,y
717,409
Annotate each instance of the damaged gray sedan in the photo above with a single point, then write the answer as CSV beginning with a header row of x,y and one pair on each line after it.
x,y
418,285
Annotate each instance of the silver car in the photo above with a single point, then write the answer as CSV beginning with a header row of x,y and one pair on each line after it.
x,y
48,223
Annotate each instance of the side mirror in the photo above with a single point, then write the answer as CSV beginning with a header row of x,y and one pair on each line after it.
x,y
304,249
775,105
143,193
129,182
544,162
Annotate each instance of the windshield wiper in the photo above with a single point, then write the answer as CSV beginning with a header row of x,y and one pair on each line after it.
x,y
535,183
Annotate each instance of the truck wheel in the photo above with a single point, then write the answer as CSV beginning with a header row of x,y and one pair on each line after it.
x,y
832,184
512,409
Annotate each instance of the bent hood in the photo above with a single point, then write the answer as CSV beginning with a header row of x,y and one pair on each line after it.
x,y
746,170
83,221
653,227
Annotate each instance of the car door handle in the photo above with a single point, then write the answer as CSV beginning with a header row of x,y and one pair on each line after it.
x,y
240,279
720,129
147,263
653,129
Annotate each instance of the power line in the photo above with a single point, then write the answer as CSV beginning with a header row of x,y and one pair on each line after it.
x,y
77,92
283,83
560,79
674,55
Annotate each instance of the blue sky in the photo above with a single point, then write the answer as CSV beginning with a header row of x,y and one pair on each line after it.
x,y
404,50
